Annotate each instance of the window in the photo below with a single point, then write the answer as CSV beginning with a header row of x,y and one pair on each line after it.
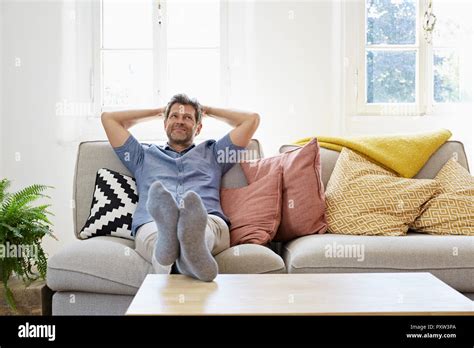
x,y
126,53
391,51
148,50
451,56
404,67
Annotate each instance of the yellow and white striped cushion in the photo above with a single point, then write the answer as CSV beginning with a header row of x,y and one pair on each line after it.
x,y
363,198
452,210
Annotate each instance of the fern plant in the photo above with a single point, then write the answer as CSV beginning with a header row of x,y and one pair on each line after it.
x,y
22,227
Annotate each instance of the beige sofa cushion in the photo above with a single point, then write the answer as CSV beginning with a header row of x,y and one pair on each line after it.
x,y
450,258
249,259
110,265
102,264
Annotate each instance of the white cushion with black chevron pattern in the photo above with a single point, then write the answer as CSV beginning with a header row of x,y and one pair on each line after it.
x,y
114,202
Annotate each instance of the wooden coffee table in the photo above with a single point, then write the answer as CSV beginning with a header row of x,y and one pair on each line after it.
x,y
300,294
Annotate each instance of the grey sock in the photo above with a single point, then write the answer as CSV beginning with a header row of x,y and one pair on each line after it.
x,y
195,259
163,208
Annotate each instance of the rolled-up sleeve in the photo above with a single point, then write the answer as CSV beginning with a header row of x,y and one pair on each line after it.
x,y
131,154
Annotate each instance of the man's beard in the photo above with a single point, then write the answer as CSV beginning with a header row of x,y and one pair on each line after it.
x,y
182,138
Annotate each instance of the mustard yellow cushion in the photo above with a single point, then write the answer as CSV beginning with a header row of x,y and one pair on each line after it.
x,y
452,210
363,198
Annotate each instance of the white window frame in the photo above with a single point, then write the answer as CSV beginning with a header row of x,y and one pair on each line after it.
x,y
354,13
160,49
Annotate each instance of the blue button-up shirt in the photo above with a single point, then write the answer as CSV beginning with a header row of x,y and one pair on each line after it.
x,y
198,168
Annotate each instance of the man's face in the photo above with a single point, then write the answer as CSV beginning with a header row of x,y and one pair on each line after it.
x,y
181,126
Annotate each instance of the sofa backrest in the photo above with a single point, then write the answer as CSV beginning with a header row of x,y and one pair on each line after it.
x,y
93,155
429,170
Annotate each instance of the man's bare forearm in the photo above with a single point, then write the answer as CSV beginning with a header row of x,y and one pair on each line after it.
x,y
245,123
129,118
232,117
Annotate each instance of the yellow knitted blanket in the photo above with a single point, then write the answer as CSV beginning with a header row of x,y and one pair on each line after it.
x,y
404,154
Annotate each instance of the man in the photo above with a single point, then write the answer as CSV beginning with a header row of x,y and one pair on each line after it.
x,y
179,219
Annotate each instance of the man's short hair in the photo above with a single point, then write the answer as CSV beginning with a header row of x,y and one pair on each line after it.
x,y
185,100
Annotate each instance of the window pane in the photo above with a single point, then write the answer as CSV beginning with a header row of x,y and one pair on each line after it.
x,y
391,77
127,78
193,23
446,76
391,22
127,24
195,72
452,54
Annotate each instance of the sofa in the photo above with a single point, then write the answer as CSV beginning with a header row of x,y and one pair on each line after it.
x,y
100,275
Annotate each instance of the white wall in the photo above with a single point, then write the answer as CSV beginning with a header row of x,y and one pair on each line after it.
x,y
32,33
290,71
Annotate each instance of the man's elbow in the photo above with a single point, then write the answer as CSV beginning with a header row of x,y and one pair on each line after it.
x,y
109,118
256,120
104,116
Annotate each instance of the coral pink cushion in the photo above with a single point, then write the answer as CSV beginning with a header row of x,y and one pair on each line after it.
x,y
254,211
303,199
